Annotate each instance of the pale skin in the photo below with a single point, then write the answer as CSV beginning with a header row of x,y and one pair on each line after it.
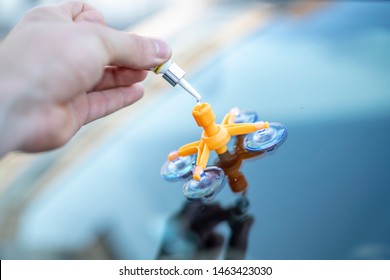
x,y
61,68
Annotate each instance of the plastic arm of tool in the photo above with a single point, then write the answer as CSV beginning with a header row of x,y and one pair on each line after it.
x,y
245,128
201,161
185,150
229,118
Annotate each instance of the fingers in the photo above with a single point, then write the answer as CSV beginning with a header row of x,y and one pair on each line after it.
x,y
79,11
133,51
119,77
91,16
70,11
103,103
84,12
117,47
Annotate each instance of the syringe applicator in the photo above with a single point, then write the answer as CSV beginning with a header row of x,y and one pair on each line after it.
x,y
175,75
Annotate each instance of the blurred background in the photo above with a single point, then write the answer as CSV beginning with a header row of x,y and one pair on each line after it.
x,y
118,13
321,68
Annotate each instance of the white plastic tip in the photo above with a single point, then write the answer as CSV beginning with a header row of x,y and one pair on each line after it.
x,y
190,89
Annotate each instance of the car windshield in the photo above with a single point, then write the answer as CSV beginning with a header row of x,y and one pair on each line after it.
x,y
322,193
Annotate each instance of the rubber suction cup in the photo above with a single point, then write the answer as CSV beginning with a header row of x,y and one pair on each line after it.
x,y
179,168
245,117
211,182
265,139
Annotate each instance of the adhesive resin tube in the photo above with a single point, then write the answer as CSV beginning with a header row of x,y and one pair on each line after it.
x,y
175,75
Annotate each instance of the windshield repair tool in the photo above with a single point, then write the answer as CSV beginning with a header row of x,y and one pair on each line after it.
x,y
214,136
206,181
175,75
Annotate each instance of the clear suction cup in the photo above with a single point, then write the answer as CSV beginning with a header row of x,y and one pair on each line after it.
x,y
179,168
265,139
245,117
211,182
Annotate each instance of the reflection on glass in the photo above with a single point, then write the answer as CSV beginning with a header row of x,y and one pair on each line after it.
x,y
191,233
231,163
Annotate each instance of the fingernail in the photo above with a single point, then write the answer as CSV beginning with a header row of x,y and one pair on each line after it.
x,y
162,49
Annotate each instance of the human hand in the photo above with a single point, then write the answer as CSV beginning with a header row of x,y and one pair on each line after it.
x,y
61,68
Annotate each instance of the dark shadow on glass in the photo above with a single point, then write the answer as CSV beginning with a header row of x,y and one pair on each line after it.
x,y
191,233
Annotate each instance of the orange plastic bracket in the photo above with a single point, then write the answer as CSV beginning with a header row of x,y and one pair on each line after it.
x,y
214,136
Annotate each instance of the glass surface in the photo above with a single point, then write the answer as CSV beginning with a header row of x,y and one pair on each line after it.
x,y
324,194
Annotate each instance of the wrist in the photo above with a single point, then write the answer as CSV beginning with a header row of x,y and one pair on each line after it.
x,y
12,90
7,139
13,83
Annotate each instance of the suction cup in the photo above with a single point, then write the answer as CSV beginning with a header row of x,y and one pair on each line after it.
x,y
265,139
178,169
210,183
245,117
